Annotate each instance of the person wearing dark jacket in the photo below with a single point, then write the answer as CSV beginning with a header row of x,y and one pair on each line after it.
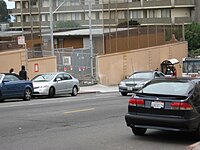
x,y
23,73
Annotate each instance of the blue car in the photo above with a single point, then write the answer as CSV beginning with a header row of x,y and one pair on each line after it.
x,y
12,86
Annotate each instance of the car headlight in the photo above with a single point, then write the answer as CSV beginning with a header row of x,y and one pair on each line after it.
x,y
122,84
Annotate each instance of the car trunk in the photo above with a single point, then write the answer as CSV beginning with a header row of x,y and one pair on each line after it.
x,y
163,106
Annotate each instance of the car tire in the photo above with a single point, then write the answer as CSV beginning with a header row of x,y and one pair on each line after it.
x,y
1,99
196,134
139,131
124,93
74,91
51,92
27,94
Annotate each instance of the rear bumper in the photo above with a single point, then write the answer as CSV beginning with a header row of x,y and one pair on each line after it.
x,y
164,123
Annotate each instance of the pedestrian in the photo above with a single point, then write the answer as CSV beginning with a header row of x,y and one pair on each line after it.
x,y
23,73
11,70
174,72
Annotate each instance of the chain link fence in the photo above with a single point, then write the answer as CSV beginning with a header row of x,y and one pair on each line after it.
x,y
74,61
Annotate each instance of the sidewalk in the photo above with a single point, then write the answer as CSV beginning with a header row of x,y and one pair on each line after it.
x,y
98,88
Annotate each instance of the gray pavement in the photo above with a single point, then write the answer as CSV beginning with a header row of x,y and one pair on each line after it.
x,y
98,88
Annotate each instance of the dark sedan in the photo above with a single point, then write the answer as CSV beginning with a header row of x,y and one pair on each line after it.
x,y
166,104
12,86
137,80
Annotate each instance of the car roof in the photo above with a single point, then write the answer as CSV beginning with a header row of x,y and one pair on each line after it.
x,y
9,73
53,73
146,71
186,79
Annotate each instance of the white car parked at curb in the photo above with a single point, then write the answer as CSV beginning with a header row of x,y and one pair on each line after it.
x,y
51,84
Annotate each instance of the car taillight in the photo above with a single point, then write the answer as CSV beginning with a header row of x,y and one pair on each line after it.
x,y
181,106
136,102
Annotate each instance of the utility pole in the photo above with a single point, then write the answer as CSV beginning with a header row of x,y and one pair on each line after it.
x,y
91,42
22,20
51,22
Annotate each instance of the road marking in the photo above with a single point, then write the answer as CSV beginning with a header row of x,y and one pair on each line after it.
x,y
79,110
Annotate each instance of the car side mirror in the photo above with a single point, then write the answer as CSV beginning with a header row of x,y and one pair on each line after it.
x,y
126,76
58,79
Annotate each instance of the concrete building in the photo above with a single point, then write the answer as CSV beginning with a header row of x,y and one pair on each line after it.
x,y
34,14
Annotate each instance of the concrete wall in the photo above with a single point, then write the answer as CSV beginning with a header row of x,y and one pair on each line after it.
x,y
14,59
45,64
112,68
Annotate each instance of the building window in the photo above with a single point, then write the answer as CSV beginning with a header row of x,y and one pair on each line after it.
x,y
154,13
93,16
87,2
75,2
62,17
165,13
45,3
43,17
35,17
151,14
34,4
76,16
136,14
121,15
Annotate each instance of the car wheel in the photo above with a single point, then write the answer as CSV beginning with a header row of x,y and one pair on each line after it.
x,y
74,91
27,94
139,131
1,99
51,92
124,93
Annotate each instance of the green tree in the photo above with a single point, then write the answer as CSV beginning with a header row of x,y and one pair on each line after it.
x,y
4,16
192,35
130,23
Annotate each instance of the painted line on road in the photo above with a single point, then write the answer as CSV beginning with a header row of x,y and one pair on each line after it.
x,y
79,110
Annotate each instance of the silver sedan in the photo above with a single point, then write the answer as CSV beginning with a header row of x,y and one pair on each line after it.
x,y
55,83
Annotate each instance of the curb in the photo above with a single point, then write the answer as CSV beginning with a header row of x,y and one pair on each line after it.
x,y
88,92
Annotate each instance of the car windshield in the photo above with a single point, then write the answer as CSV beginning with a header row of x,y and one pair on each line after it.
x,y
43,78
167,88
1,76
144,75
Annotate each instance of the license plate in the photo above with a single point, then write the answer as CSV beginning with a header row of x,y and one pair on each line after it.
x,y
129,88
157,104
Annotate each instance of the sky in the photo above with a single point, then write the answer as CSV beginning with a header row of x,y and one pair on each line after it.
x,y
10,5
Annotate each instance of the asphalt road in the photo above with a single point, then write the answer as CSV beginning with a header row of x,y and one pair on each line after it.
x,y
85,122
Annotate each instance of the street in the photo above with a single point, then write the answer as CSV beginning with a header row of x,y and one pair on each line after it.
x,y
86,122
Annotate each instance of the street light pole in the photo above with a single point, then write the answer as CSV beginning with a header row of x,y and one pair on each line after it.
x,y
51,26
91,42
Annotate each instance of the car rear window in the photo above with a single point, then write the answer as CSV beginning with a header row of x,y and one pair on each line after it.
x,y
167,88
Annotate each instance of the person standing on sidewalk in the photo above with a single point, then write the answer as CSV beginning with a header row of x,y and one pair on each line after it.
x,y
11,70
23,73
